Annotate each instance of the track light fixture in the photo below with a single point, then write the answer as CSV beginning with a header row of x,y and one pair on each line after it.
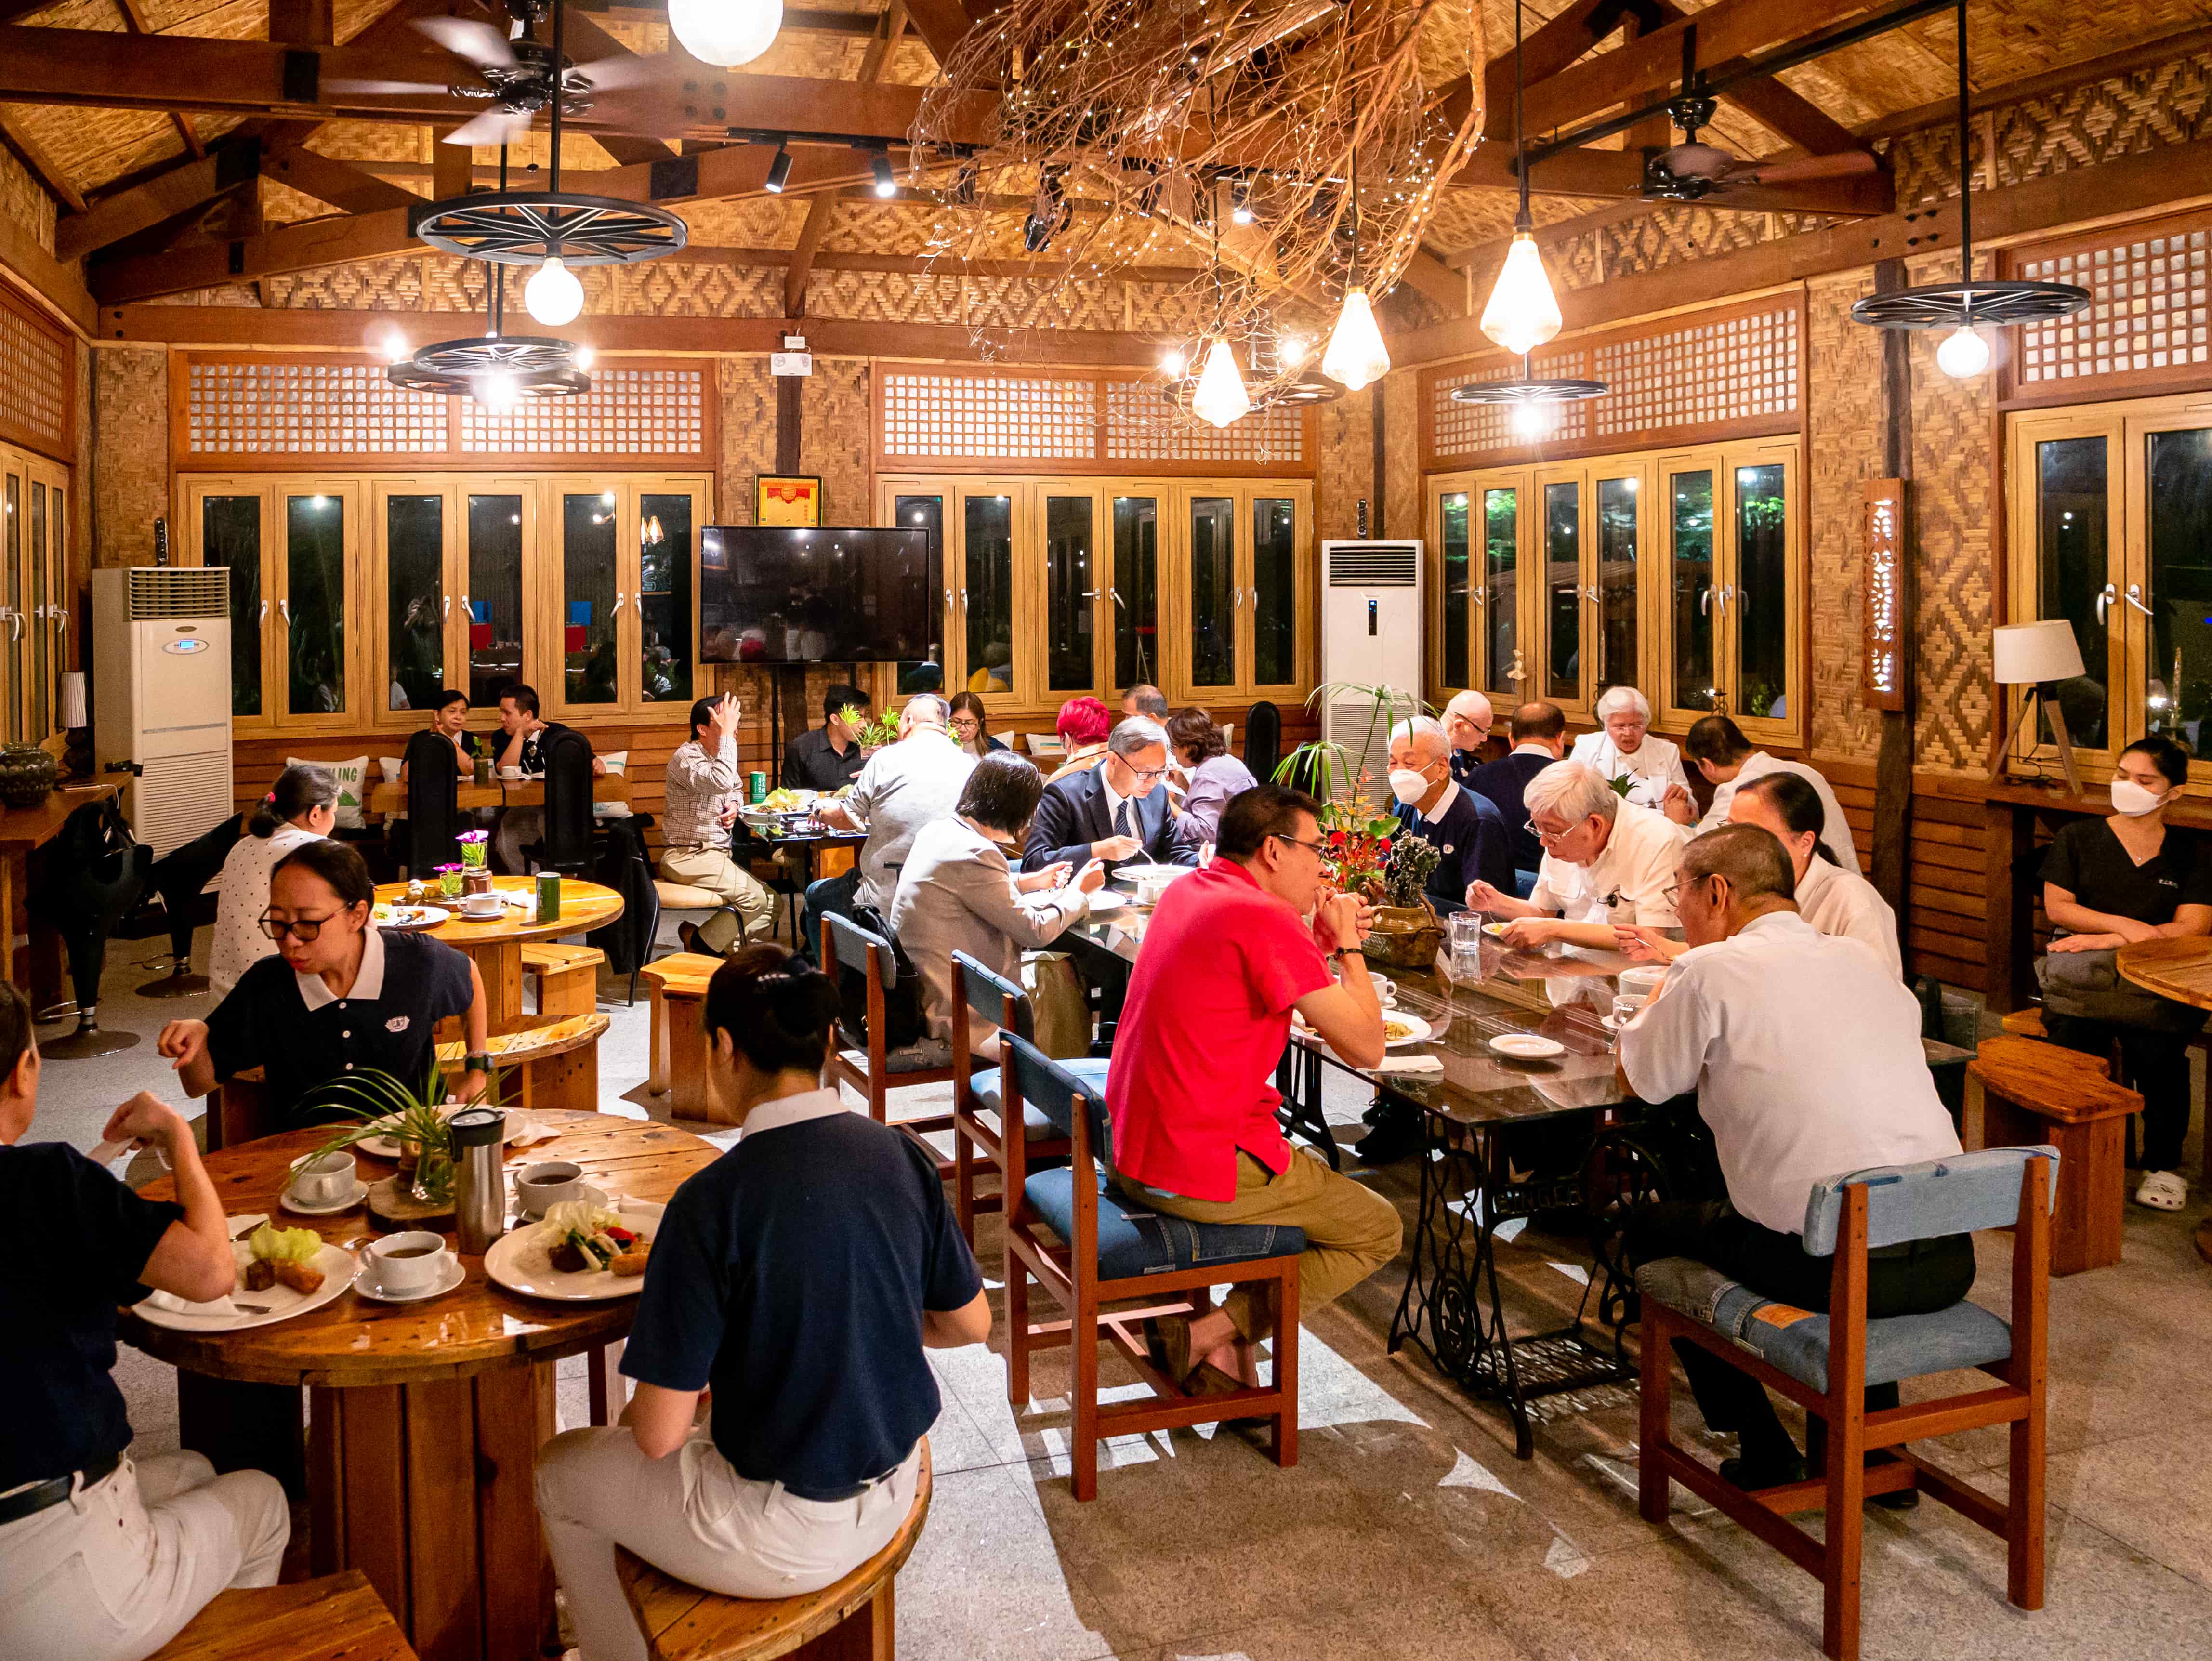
x,y
1240,205
879,162
779,170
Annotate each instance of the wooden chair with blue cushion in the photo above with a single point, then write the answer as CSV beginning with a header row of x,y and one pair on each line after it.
x,y
977,1124
1089,1246
1825,1362
865,1060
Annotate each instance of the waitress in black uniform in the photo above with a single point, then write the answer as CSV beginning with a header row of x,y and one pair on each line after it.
x,y
341,998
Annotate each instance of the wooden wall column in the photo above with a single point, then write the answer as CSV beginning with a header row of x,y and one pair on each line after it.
x,y
1892,788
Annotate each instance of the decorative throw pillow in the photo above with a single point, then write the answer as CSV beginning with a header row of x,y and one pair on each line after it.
x,y
350,786
617,761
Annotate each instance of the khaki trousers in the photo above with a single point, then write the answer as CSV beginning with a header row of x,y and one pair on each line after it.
x,y
711,869
1350,1230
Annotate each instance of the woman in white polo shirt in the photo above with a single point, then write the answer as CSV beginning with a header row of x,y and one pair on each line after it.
x,y
1623,747
302,806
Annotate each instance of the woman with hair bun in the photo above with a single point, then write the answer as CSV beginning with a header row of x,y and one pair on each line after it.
x,y
300,806
801,1276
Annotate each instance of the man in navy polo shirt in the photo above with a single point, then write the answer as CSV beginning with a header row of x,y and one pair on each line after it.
x,y
801,1276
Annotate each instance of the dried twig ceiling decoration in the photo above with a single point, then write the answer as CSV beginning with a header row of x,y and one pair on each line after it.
x,y
1219,132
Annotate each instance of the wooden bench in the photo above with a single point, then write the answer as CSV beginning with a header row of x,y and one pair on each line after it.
x,y
2026,1022
567,977
2033,1092
559,1064
338,1616
679,1067
852,1620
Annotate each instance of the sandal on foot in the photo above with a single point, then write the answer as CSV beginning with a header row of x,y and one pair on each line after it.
x,y
2162,1191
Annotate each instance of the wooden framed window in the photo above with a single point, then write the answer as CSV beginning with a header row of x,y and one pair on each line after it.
x,y
34,586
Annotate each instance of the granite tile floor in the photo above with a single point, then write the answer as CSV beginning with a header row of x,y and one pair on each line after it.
x,y
1409,1528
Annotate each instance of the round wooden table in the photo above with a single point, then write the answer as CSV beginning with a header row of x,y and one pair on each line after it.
x,y
2180,970
495,945
425,1419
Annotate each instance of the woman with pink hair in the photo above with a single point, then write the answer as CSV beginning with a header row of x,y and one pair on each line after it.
x,y
1083,726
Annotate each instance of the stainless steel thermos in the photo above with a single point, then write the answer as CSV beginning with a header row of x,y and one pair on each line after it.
x,y
479,1179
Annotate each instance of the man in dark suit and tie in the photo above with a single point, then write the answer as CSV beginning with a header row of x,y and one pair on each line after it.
x,y
1115,811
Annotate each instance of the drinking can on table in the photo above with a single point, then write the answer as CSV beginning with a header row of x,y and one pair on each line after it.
x,y
549,896
756,788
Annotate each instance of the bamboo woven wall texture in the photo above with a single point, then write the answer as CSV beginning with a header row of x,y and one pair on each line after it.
x,y
748,426
836,438
1844,419
1347,469
24,201
131,473
1401,453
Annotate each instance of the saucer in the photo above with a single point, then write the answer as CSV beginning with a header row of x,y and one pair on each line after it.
x,y
1527,1046
292,1202
364,1283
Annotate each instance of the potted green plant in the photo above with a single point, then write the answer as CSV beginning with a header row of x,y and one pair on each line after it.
x,y
416,1118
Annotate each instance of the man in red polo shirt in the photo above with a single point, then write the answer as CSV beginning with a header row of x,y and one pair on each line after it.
x,y
1227,957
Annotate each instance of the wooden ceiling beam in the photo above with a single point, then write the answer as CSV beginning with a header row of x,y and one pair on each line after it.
x,y
873,64
585,41
134,20
43,167
1554,46
344,186
856,23
161,197
44,278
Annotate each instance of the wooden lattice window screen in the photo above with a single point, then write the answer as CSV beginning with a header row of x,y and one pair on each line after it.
x,y
2147,323
1141,427
1472,429
254,408
37,382
988,417
627,412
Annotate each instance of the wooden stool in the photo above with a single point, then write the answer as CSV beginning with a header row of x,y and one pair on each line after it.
x,y
678,1070
2035,1093
559,1064
338,1614
852,1619
567,977
2026,1022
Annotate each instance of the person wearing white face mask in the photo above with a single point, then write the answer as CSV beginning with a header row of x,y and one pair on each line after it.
x,y
1472,839
2109,883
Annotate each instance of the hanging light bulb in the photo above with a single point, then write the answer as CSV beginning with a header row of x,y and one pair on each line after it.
x,y
553,295
1172,364
1220,398
1356,354
1964,354
496,390
1292,350
1522,312
1530,421
586,357
880,165
724,33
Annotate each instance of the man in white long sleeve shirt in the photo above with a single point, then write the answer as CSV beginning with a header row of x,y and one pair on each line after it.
x,y
705,787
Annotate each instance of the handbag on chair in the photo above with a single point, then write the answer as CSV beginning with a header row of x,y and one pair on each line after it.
x,y
2089,986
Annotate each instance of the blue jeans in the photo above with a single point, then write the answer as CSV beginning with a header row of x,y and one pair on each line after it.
x,y
829,894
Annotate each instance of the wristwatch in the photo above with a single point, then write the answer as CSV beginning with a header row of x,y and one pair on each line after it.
x,y
477,1063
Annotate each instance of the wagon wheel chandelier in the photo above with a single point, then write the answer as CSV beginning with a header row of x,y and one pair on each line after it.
x,y
551,230
1522,312
1967,306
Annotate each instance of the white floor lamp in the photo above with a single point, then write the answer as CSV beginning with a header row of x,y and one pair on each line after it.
x,y
2038,656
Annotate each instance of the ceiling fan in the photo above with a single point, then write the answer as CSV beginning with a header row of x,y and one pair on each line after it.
x,y
1693,171
514,71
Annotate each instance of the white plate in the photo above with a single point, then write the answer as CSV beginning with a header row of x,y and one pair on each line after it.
x,y
1420,1033
596,1196
364,1285
1132,871
518,1261
410,919
292,1202
1527,1046
337,1263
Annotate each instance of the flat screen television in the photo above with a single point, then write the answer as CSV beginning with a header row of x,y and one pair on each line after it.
x,y
772,594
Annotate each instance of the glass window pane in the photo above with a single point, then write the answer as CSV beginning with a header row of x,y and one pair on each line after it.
x,y
415,594
1213,606
1136,590
587,598
230,534
2070,510
1690,580
1501,591
1616,583
38,618
1762,592
494,620
989,596
2178,678
664,598
1275,591
1563,591
1070,612
1451,532
923,514
13,600
315,596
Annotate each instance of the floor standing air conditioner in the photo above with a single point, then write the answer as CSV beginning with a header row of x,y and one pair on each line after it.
x,y
1371,636
161,697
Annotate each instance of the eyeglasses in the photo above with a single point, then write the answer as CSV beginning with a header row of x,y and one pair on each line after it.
x,y
1546,837
1314,847
1147,774
1673,893
302,929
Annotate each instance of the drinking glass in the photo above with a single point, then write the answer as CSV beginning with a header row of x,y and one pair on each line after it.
x,y
1466,932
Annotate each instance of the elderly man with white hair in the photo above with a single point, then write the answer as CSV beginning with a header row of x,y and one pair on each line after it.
x,y
1606,861
1473,844
905,786
1467,730
1623,747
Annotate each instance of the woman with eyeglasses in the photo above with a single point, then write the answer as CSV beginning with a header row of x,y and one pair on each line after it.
x,y
302,807
970,730
341,998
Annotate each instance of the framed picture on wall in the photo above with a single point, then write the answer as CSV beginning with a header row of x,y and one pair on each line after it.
x,y
788,499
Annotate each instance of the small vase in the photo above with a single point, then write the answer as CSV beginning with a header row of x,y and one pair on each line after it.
x,y
26,775
432,1182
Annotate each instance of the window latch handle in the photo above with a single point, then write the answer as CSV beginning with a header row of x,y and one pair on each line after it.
x,y
2134,598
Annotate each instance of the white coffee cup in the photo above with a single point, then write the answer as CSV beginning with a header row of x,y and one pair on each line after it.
x,y
1642,981
486,904
552,1183
409,1261
510,773
324,1181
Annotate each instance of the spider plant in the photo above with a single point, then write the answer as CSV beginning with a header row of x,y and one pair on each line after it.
x,y
1335,771
382,1104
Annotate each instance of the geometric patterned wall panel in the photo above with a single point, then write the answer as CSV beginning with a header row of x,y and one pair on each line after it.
x,y
1471,429
1844,386
1140,429
255,407
627,412
2152,285
988,417
37,382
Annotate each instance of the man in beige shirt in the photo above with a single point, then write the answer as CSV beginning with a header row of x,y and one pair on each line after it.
x,y
705,789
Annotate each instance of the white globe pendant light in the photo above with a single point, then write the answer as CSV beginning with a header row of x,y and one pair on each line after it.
x,y
1963,354
724,33
1220,398
1356,354
1522,312
553,295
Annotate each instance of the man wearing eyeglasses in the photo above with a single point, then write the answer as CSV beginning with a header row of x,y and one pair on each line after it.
x,y
1116,811
1606,861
